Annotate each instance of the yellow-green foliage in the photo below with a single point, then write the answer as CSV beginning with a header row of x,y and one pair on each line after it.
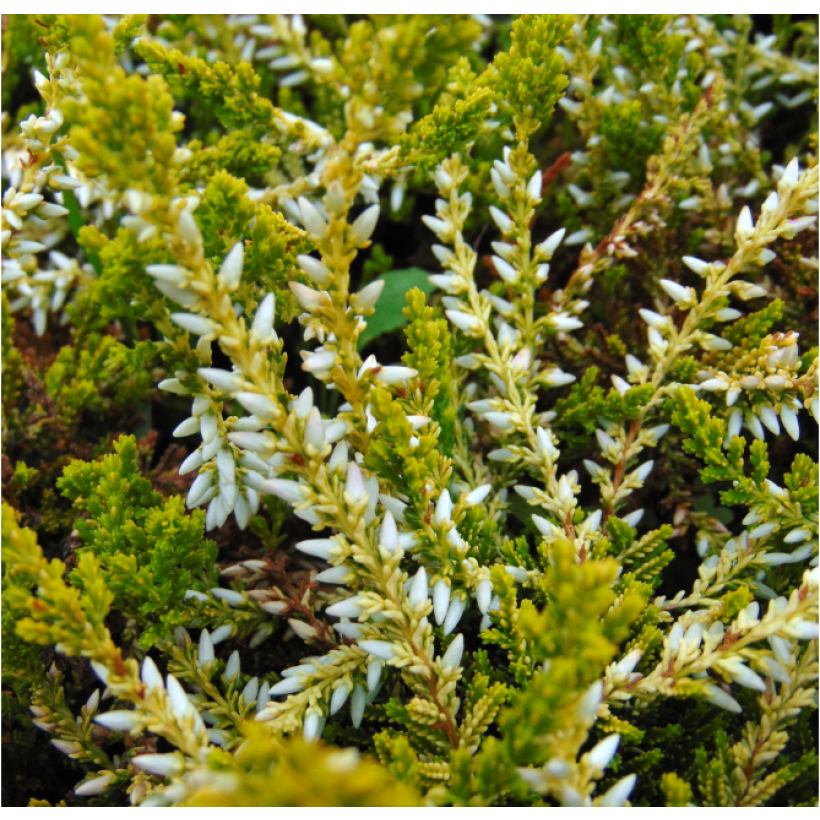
x,y
296,774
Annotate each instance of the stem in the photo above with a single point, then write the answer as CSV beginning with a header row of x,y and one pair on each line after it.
x,y
621,468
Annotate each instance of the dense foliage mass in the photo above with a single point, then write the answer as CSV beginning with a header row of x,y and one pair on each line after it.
x,y
490,353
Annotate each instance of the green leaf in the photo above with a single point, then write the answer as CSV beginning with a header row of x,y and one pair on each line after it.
x,y
388,315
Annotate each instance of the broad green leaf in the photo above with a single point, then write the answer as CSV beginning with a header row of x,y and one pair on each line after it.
x,y
388,315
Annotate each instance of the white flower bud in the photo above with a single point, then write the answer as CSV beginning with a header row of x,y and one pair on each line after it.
x,y
315,269
120,720
395,374
452,657
600,756
518,573
186,428
230,274
379,649
501,189
634,518
655,319
505,270
303,630
95,786
587,708
290,491
318,547
223,379
388,533
418,588
357,704
314,224
362,229
763,531
288,686
617,795
484,593
678,292
788,181
339,698
454,613
366,298
441,599
505,224
790,423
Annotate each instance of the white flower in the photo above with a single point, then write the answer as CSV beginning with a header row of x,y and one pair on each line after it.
x,y
465,322
788,182
477,495
557,378
484,592
290,491
763,531
661,323
534,186
357,704
379,649
716,695
354,486
318,547
395,374
502,191
230,596
505,224
600,756
288,686
310,300
441,599
769,418
454,613
742,674
314,224
263,320
714,384
444,508
518,573
303,630
366,298
223,379
452,657
418,589
790,423
679,293
505,270
634,518
388,533
587,708
438,226
617,795
121,720
95,786
315,269
318,362
561,321
163,765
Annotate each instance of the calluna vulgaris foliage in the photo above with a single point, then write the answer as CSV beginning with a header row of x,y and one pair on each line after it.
x,y
539,526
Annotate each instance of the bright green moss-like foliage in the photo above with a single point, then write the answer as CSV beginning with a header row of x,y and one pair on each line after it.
x,y
151,553
409,410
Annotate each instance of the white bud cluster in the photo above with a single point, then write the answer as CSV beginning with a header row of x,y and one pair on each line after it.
x,y
43,291
771,382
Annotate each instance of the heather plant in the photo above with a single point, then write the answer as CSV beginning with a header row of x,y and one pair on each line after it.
x,y
490,352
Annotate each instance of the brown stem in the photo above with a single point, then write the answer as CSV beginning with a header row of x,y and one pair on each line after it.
x,y
447,725
621,468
